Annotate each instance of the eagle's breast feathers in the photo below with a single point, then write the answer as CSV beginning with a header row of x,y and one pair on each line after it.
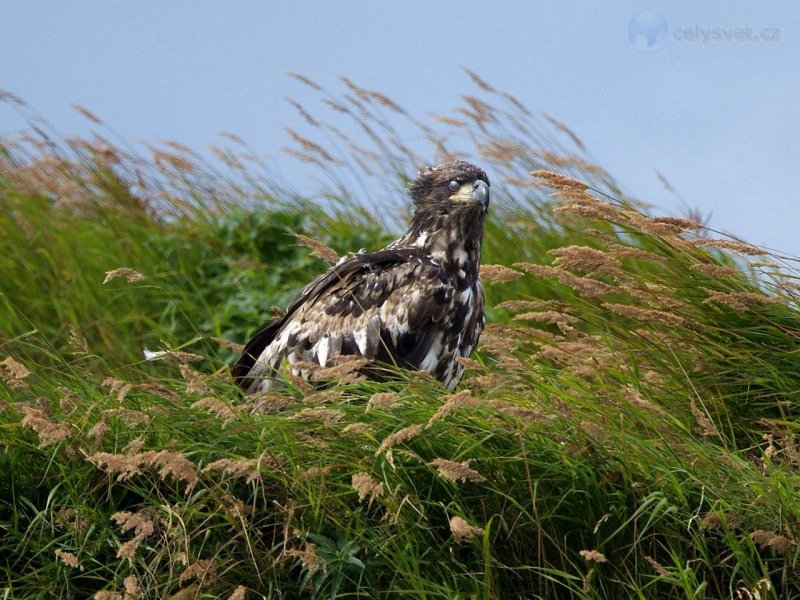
x,y
416,304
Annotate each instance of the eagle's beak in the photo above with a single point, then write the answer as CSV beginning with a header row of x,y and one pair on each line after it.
x,y
481,193
477,192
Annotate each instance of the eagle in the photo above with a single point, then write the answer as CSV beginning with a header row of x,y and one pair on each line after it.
x,y
415,304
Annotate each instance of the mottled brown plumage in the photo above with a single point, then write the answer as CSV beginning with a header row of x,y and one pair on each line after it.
x,y
417,304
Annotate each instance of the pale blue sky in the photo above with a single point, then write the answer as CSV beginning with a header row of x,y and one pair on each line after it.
x,y
718,118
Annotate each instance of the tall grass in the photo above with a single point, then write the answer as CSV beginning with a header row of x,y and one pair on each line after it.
x,y
627,428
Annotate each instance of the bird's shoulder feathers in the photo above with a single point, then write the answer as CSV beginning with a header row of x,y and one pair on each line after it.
x,y
380,305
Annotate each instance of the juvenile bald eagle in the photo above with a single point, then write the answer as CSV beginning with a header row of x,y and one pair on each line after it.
x,y
417,304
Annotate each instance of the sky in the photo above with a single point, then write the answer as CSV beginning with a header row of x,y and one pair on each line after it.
x,y
705,92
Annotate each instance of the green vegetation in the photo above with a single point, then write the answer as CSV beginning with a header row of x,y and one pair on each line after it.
x,y
628,428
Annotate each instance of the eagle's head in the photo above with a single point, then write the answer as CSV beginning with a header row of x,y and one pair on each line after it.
x,y
454,188
451,202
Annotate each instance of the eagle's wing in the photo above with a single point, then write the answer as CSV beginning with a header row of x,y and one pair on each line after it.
x,y
383,306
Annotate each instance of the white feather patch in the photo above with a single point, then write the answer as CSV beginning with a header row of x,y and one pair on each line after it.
x,y
431,359
360,338
323,348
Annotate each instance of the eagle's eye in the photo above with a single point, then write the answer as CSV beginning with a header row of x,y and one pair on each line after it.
x,y
454,185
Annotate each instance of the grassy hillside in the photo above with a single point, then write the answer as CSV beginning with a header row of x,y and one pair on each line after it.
x,y
626,430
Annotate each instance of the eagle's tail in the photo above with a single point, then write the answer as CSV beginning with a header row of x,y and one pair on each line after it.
x,y
252,350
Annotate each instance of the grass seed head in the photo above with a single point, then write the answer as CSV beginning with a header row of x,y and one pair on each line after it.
x,y
49,431
593,555
498,274
13,372
398,437
366,486
463,531
130,274
456,471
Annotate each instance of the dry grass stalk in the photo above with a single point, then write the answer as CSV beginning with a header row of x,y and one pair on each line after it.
x,y
635,398
449,121
654,294
344,369
657,567
470,363
201,570
195,383
127,416
498,274
328,416
740,300
118,387
317,472
522,413
49,432
131,586
187,593
311,147
586,582
547,316
142,528
383,400
305,80
677,224
704,420
494,340
69,518
240,593
649,315
171,464
367,486
488,382
358,427
559,181
398,437
130,274
177,356
267,402
622,251
777,543
502,150
456,471
582,204
13,372
593,555
451,404
69,559
97,431
584,258
513,305
323,397
217,408
733,245
318,249
463,531
233,346
308,557
479,82
87,114
77,342
159,390
584,285
561,126
245,468
105,595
